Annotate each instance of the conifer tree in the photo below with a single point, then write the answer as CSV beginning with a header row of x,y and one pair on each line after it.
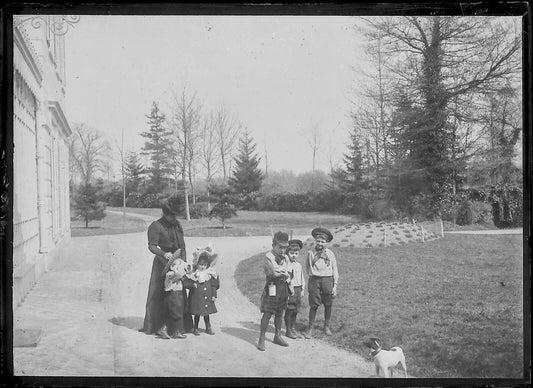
x,y
86,204
247,177
158,147
134,171
350,178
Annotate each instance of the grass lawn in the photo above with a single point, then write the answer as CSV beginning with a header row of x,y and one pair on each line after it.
x,y
111,224
253,223
454,305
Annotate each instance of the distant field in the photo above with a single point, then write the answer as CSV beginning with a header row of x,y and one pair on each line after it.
x,y
454,305
111,224
253,223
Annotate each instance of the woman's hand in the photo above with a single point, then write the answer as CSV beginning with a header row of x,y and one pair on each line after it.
x,y
213,298
334,291
168,256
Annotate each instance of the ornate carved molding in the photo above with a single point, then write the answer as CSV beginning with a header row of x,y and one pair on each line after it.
x,y
59,24
57,112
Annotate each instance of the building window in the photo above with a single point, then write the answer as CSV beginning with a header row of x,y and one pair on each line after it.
x,y
24,94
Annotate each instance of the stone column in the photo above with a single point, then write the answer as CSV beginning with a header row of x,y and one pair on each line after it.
x,y
40,128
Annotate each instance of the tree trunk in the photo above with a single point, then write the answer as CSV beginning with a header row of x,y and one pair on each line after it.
x,y
123,196
223,159
187,212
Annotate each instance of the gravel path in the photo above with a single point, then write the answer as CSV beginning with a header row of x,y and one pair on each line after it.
x,y
91,303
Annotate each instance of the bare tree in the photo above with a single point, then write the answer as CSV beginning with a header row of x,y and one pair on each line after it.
x,y
87,149
209,152
227,130
266,159
314,142
372,115
185,119
442,64
122,159
193,158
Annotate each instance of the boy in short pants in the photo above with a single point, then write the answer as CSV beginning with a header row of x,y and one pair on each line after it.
x,y
321,266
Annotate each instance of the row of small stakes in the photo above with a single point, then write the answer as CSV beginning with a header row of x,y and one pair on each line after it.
x,y
375,234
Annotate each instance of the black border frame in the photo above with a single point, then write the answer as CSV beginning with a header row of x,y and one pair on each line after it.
x,y
422,8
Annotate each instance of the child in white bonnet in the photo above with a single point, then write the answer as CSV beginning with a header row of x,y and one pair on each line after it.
x,y
203,284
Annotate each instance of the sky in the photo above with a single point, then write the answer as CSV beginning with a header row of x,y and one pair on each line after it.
x,y
280,76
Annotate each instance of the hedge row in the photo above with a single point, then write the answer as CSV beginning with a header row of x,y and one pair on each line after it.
x,y
501,204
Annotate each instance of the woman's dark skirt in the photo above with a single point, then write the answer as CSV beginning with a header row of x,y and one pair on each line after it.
x,y
278,303
155,304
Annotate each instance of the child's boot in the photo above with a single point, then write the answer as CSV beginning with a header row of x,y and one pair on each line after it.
x,y
309,332
288,326
162,333
293,330
208,329
327,330
278,340
261,343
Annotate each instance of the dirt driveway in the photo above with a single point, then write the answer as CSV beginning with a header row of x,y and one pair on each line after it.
x,y
92,302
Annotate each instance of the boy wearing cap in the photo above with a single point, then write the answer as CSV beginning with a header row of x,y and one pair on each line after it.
x,y
321,266
276,290
297,285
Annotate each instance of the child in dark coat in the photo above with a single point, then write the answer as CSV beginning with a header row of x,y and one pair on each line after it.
x,y
203,284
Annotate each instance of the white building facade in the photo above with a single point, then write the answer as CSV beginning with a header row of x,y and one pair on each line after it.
x,y
41,209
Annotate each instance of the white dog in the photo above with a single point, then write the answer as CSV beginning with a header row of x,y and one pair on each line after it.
x,y
386,360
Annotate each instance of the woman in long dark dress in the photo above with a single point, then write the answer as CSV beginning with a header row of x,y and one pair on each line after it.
x,y
165,236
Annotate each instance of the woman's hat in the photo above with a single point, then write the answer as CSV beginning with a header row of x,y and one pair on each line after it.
x,y
171,206
322,232
295,243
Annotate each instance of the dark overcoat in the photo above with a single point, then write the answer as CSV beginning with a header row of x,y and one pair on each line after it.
x,y
201,296
169,238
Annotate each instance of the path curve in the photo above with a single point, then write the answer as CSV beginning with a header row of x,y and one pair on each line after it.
x,y
94,303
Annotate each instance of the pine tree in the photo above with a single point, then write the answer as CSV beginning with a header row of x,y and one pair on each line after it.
x,y
353,162
247,177
134,171
87,205
350,178
158,147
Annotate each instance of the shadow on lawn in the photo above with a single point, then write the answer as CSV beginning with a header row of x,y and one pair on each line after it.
x,y
133,323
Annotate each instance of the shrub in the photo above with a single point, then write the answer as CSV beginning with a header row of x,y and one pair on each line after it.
x,y
151,200
381,209
223,211
506,202
198,211
111,195
133,199
420,206
327,201
246,201
474,212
